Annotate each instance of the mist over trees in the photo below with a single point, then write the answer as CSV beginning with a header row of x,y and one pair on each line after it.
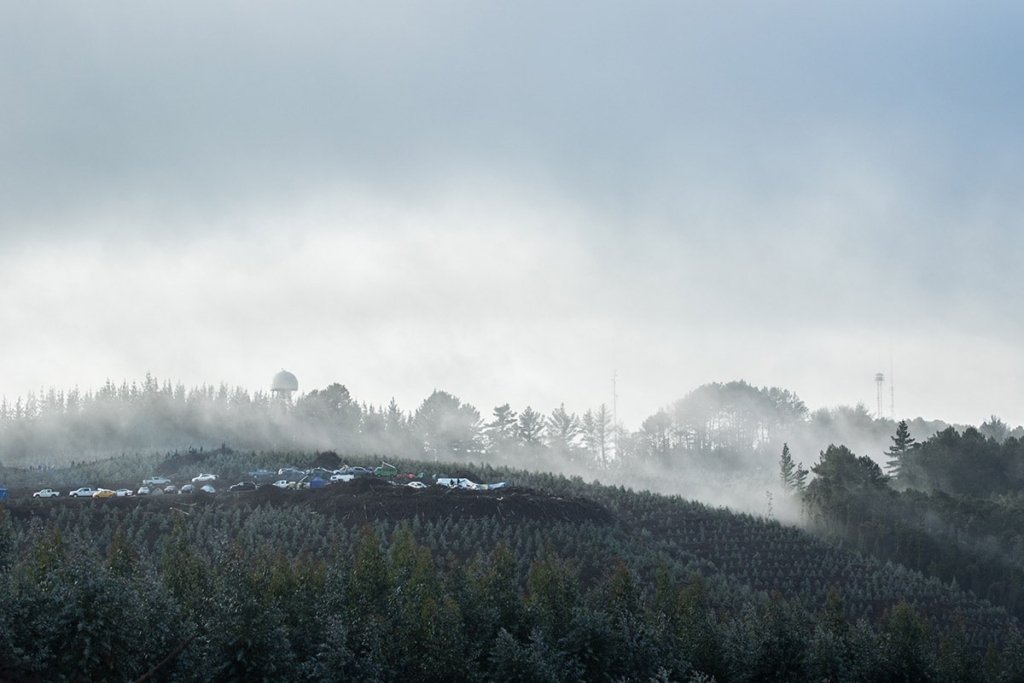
x,y
719,443
936,499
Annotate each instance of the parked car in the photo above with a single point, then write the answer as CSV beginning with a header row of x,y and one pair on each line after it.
x,y
143,491
124,492
242,486
283,484
456,483
83,492
417,485
170,488
262,474
203,478
156,481
187,489
104,493
46,493
342,477
385,470
206,488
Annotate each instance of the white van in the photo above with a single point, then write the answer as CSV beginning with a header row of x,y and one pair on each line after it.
x,y
456,483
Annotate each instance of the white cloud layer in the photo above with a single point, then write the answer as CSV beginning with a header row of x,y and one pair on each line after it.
x,y
513,201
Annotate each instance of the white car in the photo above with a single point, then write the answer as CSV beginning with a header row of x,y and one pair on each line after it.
x,y
46,493
206,488
83,492
156,481
124,492
203,478
457,483
417,485
284,484
143,491
342,477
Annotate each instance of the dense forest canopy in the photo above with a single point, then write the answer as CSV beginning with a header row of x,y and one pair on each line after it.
x,y
553,580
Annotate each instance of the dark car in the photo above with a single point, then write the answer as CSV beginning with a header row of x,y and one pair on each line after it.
x,y
243,486
263,475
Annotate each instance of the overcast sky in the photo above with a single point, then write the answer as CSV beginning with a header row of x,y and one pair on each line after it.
x,y
512,201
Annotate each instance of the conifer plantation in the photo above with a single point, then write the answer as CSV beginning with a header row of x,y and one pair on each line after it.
x,y
554,577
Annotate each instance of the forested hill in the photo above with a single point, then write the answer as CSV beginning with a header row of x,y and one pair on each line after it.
x,y
735,422
549,579
719,443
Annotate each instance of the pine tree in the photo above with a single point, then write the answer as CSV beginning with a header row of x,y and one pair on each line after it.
x,y
800,477
501,432
563,432
902,443
787,468
530,427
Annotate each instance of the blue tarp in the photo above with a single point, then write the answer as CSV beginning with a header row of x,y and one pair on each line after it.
x,y
3,493
317,483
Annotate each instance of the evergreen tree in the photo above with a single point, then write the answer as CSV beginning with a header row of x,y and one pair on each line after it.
x,y
530,427
800,477
501,432
902,443
596,428
905,646
787,468
563,432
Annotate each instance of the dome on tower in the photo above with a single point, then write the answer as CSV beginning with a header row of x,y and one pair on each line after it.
x,y
284,381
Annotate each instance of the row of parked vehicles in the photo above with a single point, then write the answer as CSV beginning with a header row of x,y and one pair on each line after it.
x,y
85,492
293,478
151,486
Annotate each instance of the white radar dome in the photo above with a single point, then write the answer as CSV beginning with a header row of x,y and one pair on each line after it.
x,y
284,381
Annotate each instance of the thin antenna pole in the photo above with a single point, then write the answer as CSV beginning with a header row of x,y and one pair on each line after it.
x,y
879,380
615,410
892,385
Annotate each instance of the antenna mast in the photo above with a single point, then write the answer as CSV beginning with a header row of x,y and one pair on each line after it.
x,y
615,411
892,387
879,381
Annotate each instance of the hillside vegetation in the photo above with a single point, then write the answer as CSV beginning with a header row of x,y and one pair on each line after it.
x,y
551,579
914,571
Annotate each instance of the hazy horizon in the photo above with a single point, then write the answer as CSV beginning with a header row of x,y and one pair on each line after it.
x,y
511,203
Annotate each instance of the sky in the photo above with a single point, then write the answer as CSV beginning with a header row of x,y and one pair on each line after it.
x,y
514,202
